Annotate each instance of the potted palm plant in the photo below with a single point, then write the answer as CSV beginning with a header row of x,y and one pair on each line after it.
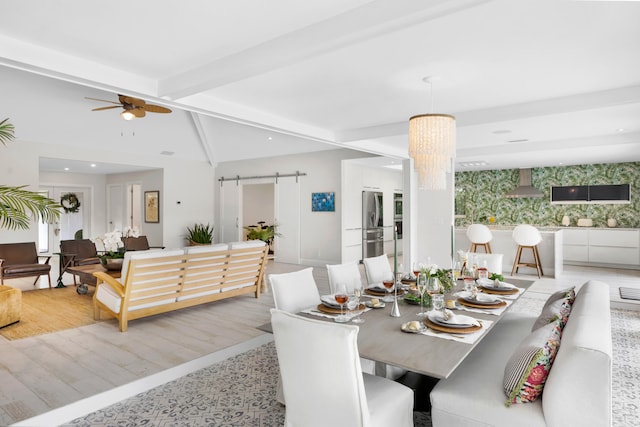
x,y
200,234
17,205
263,232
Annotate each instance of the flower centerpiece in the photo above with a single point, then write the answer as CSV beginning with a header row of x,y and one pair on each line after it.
x,y
113,253
444,276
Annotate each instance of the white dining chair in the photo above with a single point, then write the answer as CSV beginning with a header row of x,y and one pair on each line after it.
x,y
293,292
479,235
347,273
323,381
377,268
527,237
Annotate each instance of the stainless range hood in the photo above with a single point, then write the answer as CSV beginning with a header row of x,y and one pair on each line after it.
x,y
525,189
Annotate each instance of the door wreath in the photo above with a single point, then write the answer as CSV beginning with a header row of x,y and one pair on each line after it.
x,y
70,203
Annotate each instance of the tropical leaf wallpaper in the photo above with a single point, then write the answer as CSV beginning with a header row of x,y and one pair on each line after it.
x,y
480,196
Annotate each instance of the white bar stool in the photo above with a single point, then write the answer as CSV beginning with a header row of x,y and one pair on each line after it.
x,y
527,237
480,236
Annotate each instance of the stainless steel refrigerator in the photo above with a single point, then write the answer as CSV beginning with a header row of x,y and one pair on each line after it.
x,y
372,231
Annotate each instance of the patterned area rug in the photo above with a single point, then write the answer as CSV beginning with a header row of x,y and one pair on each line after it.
x,y
240,391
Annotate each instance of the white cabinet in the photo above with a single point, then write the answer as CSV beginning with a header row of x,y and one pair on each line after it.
x,y
602,246
575,245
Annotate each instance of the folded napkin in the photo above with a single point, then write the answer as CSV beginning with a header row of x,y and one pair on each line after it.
x,y
480,297
495,284
377,288
448,317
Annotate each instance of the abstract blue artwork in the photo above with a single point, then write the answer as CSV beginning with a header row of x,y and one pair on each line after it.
x,y
323,202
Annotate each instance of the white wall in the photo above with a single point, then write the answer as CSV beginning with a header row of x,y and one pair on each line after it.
x,y
149,181
188,182
320,236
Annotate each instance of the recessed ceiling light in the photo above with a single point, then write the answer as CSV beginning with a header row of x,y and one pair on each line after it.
x,y
93,165
501,132
270,138
620,130
476,164
66,169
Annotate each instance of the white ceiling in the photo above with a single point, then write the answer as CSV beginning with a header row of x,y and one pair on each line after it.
x,y
559,77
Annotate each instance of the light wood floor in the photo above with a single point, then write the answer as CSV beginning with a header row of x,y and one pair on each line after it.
x,y
45,372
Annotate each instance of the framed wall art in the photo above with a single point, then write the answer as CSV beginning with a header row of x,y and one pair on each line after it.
x,y
323,202
151,206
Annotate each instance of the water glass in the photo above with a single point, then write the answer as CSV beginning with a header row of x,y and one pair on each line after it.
x,y
437,301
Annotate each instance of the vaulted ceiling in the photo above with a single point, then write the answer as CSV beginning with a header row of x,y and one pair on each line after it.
x,y
531,82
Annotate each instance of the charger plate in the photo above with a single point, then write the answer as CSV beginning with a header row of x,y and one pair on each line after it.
x,y
499,291
382,293
470,304
440,328
325,309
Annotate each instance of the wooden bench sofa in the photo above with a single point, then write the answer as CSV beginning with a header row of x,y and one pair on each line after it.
x,y
22,260
158,281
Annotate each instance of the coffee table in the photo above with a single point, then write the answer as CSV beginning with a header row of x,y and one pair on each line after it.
x,y
86,277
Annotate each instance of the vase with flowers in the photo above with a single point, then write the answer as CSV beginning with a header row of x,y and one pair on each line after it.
x,y
112,254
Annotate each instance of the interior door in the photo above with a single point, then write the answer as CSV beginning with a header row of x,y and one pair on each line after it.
x,y
116,218
230,208
287,207
69,224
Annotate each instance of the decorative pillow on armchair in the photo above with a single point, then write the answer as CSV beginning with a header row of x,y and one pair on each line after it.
x,y
529,365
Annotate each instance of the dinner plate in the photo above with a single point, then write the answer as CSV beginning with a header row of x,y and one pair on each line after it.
x,y
472,300
490,284
330,301
380,305
438,320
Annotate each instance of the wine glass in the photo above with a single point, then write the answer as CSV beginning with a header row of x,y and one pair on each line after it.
x,y
388,281
433,287
358,290
421,284
417,267
341,298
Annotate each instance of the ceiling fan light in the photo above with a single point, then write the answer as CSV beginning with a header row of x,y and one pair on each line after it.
x,y
127,115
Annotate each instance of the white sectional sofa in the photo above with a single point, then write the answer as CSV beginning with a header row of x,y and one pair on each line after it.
x,y
578,388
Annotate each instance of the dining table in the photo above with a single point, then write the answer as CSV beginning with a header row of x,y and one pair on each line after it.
x,y
432,353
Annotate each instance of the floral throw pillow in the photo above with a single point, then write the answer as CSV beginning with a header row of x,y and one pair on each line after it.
x,y
529,365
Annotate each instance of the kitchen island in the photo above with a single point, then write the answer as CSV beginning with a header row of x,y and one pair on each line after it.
x,y
550,249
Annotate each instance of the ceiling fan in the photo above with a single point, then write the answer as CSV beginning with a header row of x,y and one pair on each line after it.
x,y
133,107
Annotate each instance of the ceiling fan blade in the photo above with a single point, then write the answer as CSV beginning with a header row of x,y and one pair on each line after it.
x,y
133,101
106,108
102,100
156,109
138,112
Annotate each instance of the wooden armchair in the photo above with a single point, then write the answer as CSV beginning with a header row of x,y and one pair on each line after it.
x,y
137,244
22,260
77,252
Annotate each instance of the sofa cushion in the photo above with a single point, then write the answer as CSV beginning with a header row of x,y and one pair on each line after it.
x,y
529,365
557,310
569,294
